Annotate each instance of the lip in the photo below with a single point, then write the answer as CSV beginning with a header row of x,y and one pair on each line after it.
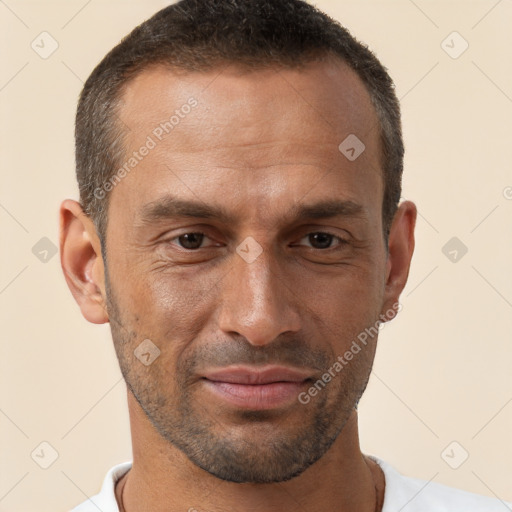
x,y
259,388
253,375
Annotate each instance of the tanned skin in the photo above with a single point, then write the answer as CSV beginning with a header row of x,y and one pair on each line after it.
x,y
258,144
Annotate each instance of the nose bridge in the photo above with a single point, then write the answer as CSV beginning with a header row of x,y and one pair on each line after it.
x,y
255,299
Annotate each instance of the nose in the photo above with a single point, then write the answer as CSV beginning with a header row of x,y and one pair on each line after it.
x,y
257,300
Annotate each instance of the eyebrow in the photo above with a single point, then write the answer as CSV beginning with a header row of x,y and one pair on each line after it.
x,y
170,207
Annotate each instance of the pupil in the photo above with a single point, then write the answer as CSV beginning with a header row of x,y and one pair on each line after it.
x,y
324,239
191,240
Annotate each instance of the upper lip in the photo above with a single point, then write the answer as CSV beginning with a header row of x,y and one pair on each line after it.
x,y
257,375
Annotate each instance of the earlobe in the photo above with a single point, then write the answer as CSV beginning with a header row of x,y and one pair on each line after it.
x,y
401,249
81,261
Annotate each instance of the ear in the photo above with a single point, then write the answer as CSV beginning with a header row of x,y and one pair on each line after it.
x,y
82,262
401,248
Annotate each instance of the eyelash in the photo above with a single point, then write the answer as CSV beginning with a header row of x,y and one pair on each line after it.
x,y
342,241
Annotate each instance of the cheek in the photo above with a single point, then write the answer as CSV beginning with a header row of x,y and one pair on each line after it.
x,y
348,290
173,305
343,307
169,308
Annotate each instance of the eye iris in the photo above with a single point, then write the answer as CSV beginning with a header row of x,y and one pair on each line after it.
x,y
194,240
324,240
191,240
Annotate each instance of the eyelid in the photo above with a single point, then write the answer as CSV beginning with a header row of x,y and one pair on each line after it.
x,y
341,241
189,232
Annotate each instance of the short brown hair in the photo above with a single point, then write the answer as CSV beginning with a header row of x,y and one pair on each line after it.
x,y
197,35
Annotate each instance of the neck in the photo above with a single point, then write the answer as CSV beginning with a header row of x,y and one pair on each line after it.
x,y
163,479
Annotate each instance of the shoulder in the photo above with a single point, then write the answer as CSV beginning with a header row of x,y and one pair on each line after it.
x,y
414,495
105,500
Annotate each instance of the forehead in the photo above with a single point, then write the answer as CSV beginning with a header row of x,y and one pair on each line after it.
x,y
262,133
244,103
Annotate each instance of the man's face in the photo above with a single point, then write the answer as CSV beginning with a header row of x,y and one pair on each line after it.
x,y
262,288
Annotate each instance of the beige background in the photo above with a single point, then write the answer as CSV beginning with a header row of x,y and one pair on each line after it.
x,y
443,366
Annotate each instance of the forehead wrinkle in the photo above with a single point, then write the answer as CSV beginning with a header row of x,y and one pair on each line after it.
x,y
303,101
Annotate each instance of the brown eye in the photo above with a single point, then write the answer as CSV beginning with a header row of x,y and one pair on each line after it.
x,y
191,240
323,240
320,240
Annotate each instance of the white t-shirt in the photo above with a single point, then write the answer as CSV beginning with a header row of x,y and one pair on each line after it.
x,y
402,494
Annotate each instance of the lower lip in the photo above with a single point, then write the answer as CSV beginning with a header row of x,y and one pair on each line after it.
x,y
256,396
